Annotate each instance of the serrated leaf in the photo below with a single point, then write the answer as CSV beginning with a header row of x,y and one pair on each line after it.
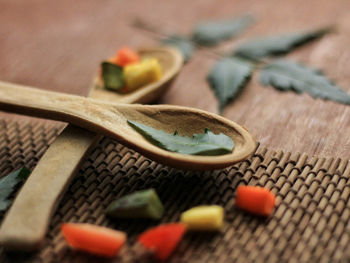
x,y
227,77
289,75
183,44
112,76
206,143
211,32
274,45
8,184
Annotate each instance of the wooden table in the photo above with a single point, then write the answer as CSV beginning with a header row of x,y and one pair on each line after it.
x,y
59,45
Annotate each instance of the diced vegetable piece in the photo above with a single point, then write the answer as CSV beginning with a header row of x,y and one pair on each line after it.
x,y
163,239
141,204
110,60
256,200
112,76
126,56
141,74
94,239
205,218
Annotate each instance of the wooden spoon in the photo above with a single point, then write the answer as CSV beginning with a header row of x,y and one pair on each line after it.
x,y
26,223
111,120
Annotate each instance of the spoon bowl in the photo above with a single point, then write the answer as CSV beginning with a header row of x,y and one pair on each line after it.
x,y
187,121
170,61
111,120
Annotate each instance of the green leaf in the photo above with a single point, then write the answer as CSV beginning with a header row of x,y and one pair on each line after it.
x,y
274,45
211,32
183,44
289,75
8,184
206,143
227,78
112,76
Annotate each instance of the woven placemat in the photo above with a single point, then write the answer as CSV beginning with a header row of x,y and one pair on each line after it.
x,y
310,223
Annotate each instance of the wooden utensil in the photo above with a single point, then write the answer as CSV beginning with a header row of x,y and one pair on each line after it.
x,y
111,120
26,223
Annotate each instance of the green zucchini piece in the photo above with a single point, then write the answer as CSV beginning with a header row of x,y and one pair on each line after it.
x,y
140,204
112,76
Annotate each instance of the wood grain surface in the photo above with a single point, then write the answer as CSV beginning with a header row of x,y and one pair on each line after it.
x,y
58,45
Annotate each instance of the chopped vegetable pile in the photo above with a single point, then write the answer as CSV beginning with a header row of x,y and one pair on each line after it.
x,y
160,241
126,71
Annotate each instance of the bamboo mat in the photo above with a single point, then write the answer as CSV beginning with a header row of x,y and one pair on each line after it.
x,y
310,223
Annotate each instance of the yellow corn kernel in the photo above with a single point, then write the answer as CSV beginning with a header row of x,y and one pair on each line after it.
x,y
205,218
140,74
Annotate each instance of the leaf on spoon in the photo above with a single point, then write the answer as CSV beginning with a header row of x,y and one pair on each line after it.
x,y
183,44
211,32
289,75
274,45
112,76
8,184
227,77
206,143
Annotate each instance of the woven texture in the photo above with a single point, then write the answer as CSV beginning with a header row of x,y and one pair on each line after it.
x,y
310,223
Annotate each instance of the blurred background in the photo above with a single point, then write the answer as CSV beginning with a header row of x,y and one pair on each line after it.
x,y
58,45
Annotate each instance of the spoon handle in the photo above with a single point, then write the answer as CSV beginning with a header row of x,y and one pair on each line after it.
x,y
38,103
25,224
